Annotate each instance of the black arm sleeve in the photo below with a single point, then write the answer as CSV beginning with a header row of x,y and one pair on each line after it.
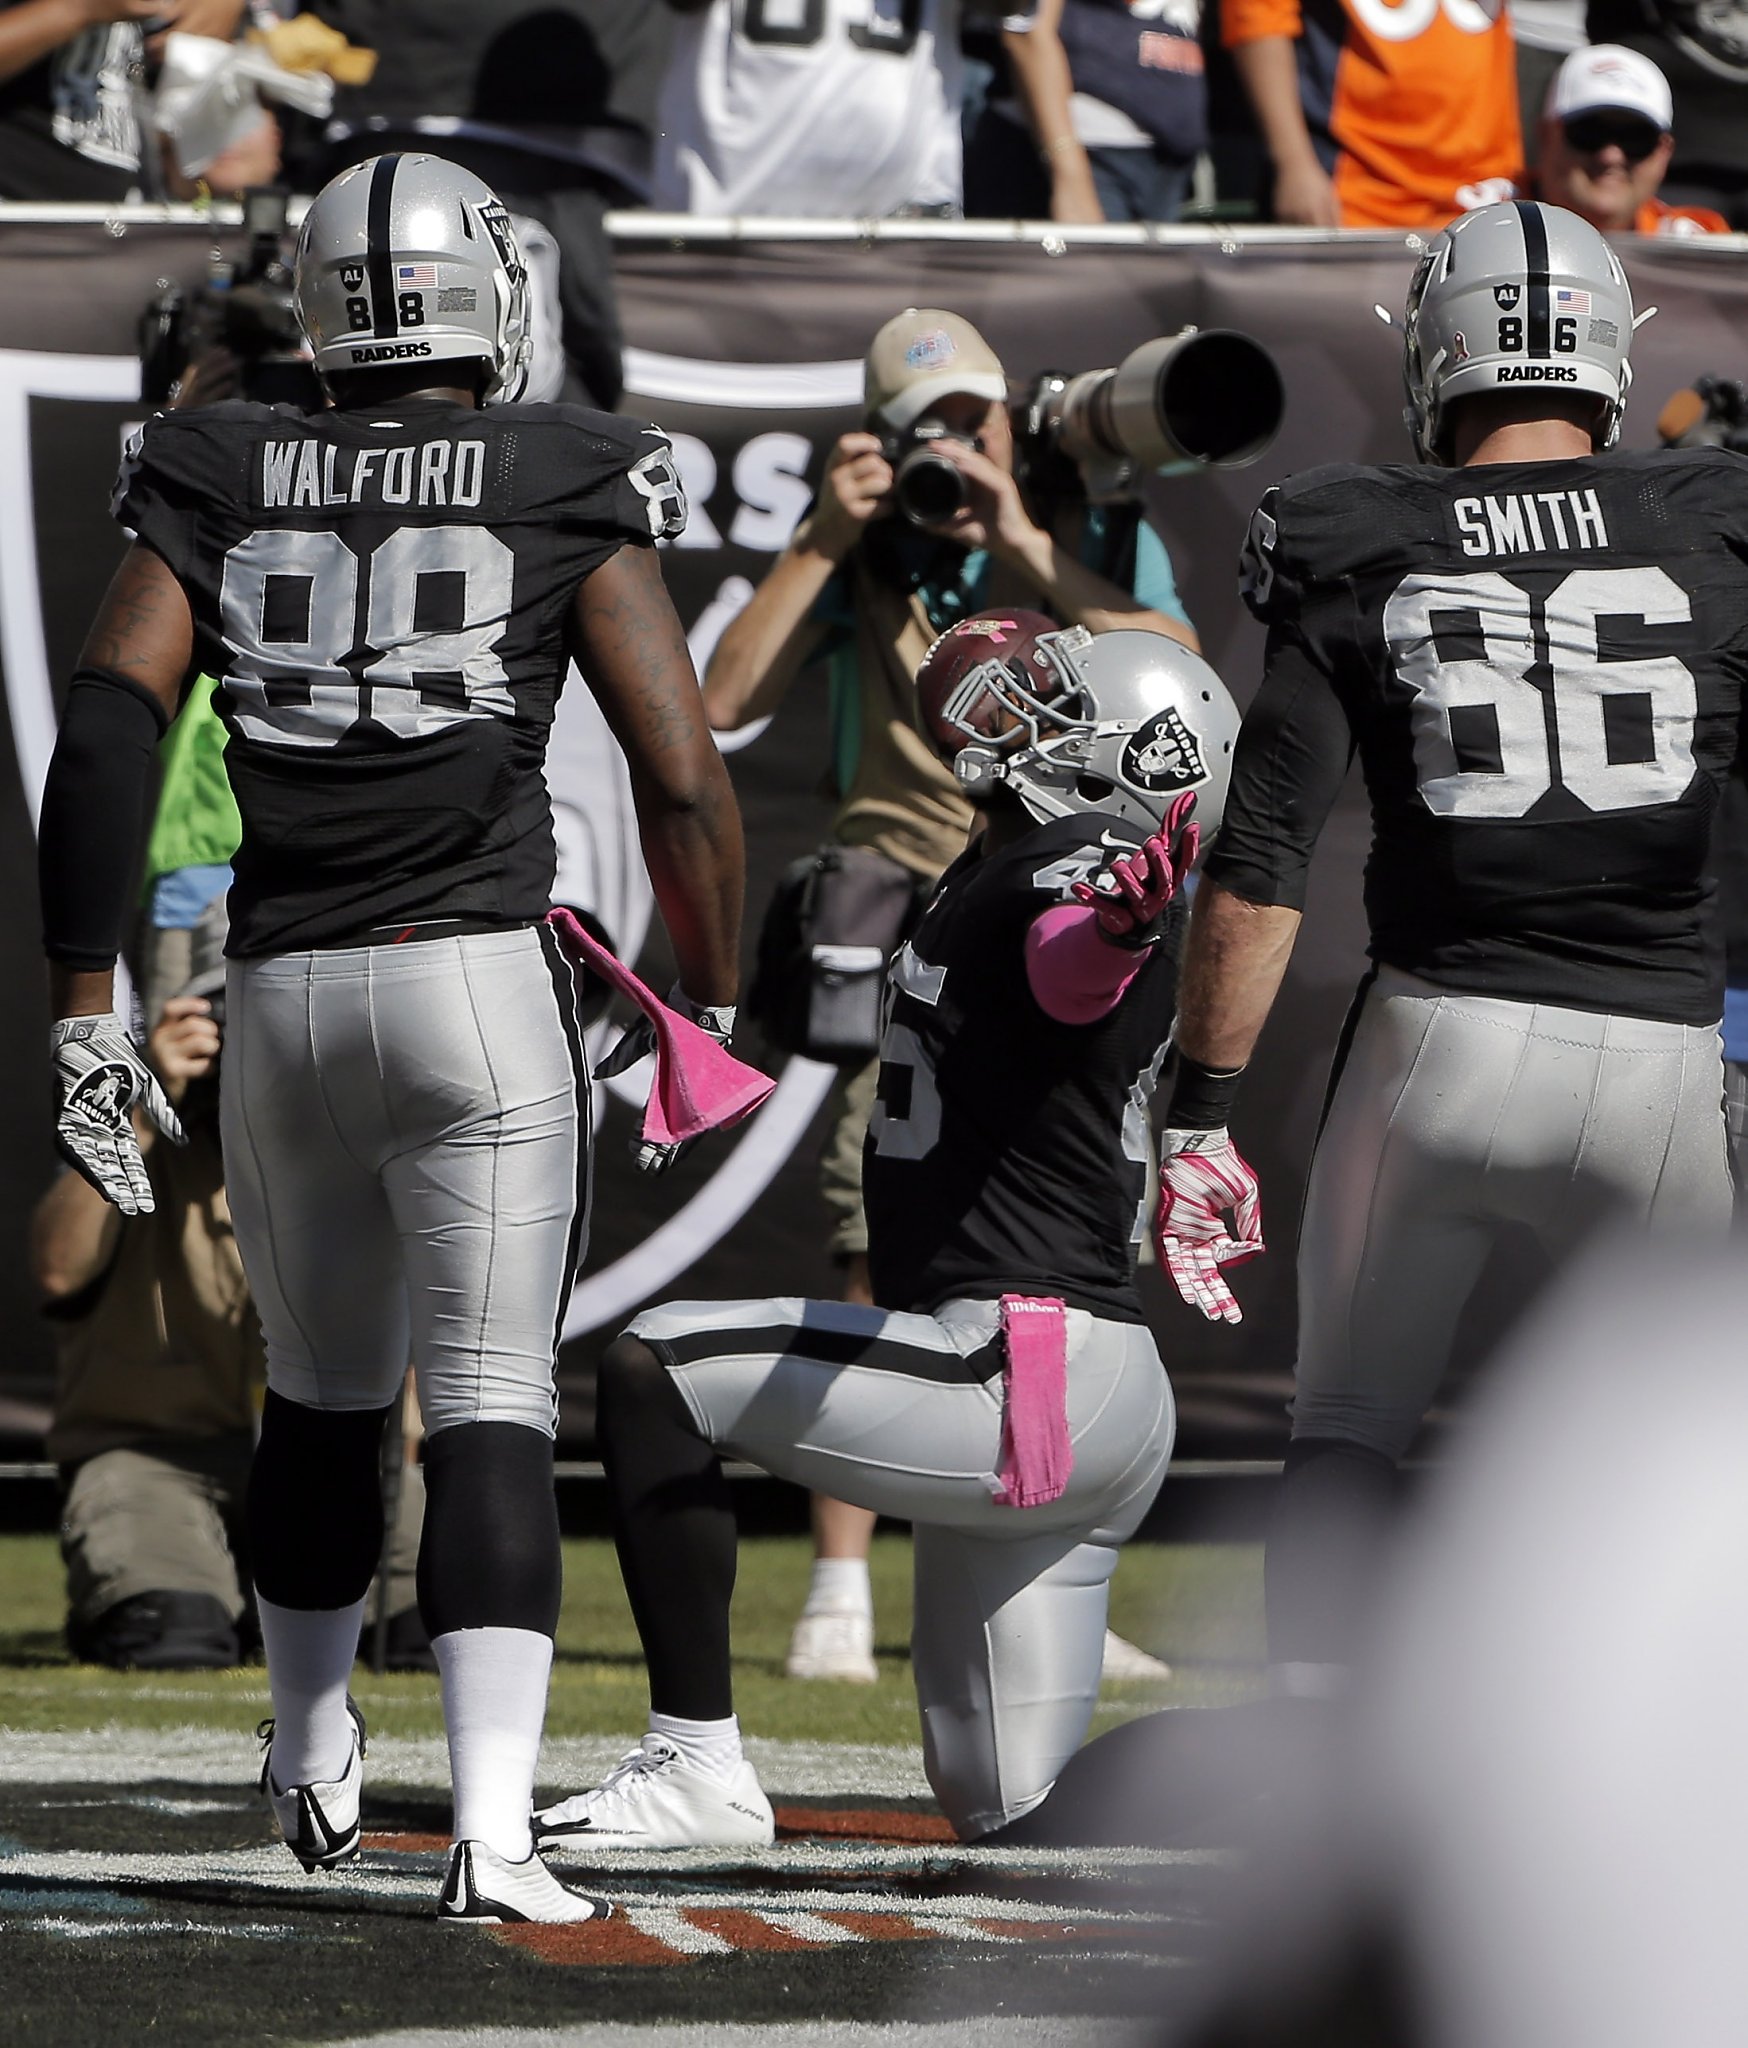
x,y
94,819
1291,760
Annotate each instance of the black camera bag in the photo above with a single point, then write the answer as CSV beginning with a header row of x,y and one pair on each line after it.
x,y
835,918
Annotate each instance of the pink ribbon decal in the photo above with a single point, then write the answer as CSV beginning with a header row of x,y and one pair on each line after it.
x,y
1036,1454
699,1085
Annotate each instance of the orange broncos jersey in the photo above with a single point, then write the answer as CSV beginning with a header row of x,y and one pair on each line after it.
x,y
1409,102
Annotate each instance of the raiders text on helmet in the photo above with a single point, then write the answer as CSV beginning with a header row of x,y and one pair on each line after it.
x,y
408,258
1515,295
1073,721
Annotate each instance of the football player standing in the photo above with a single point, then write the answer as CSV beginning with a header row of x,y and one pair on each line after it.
x,y
1537,650
389,593
1006,1397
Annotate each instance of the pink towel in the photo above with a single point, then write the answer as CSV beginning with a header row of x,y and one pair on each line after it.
x,y
699,1085
1036,1454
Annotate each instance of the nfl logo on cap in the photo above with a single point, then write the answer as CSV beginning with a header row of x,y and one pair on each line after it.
x,y
931,351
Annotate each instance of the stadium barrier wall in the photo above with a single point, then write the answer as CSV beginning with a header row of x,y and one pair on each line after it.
x,y
744,342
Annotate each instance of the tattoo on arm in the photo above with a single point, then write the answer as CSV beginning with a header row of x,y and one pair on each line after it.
x,y
632,643
144,629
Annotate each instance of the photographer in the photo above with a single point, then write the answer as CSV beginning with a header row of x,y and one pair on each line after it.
x,y
158,1362
866,590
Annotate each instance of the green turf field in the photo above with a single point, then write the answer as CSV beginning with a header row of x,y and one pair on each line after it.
x,y
1197,1605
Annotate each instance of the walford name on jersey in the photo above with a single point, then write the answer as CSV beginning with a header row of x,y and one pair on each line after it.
x,y
1530,522
304,473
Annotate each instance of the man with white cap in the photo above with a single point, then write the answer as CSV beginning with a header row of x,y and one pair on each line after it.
x,y
864,593
1607,137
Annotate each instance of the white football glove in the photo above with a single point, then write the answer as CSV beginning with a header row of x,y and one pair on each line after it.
x,y
1201,1176
99,1075
639,1042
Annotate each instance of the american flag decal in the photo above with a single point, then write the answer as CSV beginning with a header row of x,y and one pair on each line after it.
x,y
1566,301
416,277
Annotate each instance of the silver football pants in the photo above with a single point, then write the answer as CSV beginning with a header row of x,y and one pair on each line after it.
x,y
1454,1117
406,1149
903,1414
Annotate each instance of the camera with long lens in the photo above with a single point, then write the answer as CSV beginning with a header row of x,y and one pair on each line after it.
x,y
1711,412
245,308
927,487
1203,398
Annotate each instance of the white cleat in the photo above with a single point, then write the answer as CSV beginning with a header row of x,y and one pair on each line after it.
x,y
483,1889
651,1799
833,1644
319,1822
1128,1661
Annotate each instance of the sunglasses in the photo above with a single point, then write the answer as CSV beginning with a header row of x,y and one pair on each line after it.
x,y
1590,133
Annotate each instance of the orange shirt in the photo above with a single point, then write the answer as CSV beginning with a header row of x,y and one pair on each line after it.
x,y
1417,99
1654,218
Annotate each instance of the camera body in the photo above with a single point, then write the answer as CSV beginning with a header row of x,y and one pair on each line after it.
x,y
926,487
245,308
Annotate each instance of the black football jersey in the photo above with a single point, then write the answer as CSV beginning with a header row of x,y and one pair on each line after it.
x,y
1008,1152
384,601
1541,667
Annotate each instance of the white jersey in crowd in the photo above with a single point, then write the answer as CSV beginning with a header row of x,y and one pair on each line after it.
x,y
815,107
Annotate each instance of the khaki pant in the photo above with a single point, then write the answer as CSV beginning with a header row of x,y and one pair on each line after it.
x,y
169,1520
840,1159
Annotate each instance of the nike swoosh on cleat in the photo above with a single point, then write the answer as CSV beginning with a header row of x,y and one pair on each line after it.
x,y
455,1894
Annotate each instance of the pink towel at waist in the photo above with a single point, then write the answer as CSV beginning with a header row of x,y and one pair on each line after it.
x,y
1036,1454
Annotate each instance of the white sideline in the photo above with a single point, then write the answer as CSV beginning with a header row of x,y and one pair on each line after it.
x,y
205,1756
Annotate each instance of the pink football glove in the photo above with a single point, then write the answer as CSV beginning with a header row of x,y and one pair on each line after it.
x,y
1201,1175
1131,896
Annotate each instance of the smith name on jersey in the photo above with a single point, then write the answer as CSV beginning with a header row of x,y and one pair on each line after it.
x,y
384,600
1541,667
1008,1152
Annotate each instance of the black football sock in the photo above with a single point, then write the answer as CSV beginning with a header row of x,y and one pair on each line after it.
x,y
1326,1546
314,1504
674,1528
489,1551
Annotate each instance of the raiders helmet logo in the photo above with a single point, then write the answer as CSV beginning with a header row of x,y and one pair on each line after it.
x,y
352,276
1163,755
1505,296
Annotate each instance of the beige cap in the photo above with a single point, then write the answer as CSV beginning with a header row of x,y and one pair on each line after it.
x,y
923,354
1606,76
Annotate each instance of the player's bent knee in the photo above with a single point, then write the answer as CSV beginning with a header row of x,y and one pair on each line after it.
x,y
633,1385
489,1554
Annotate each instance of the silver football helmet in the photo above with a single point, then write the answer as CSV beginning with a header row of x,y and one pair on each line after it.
x,y
1073,721
1515,297
412,259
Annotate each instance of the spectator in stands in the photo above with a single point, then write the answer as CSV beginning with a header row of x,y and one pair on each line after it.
x,y
1606,144
1701,47
553,104
828,110
71,76
1379,115
1107,117
864,593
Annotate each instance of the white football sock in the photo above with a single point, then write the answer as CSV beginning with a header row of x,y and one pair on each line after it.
x,y
310,1652
494,1706
712,1747
839,1586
